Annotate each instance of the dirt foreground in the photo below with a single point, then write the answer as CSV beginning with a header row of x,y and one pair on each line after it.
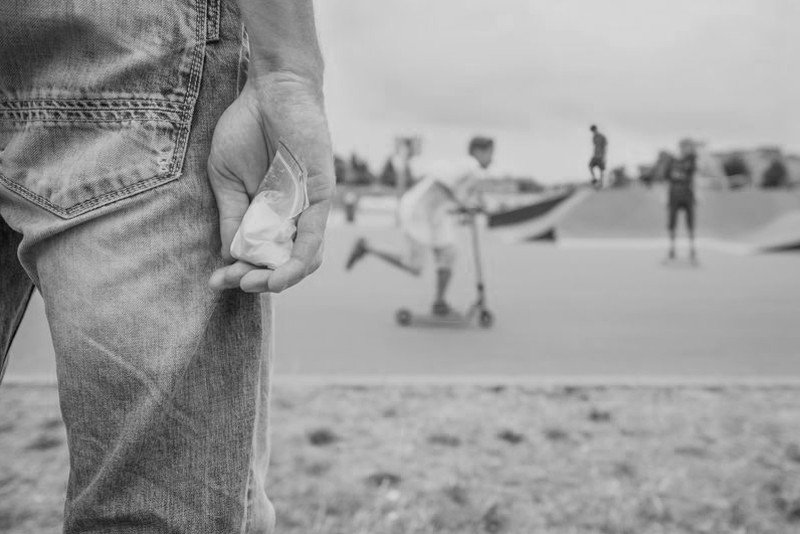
x,y
468,459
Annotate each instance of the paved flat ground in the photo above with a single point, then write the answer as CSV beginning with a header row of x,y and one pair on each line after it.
x,y
574,313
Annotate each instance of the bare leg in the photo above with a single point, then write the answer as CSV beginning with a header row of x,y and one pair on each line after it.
x,y
672,219
690,229
671,254
410,262
445,257
396,260
443,276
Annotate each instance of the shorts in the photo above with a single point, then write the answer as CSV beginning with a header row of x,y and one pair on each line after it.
x,y
444,257
597,161
675,206
431,226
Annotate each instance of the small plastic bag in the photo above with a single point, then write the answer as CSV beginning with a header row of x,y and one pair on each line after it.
x,y
266,233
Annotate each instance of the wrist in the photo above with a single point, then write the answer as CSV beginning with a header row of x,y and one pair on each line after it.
x,y
286,64
265,77
281,89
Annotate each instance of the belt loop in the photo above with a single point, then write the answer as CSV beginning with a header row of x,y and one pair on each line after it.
x,y
212,21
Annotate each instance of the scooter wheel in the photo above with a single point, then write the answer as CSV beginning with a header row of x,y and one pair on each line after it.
x,y
403,317
486,319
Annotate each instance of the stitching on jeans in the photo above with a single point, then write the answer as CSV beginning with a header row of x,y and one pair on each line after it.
x,y
111,103
79,118
81,111
196,70
98,101
25,111
212,21
90,203
150,123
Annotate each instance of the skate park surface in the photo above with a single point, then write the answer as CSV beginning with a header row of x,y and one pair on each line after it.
x,y
605,315
740,222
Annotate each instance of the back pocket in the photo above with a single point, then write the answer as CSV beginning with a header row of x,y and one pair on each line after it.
x,y
97,98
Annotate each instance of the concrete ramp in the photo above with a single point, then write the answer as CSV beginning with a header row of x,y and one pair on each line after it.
x,y
537,221
735,221
635,213
782,234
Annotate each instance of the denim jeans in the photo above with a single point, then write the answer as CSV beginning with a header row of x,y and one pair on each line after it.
x,y
106,116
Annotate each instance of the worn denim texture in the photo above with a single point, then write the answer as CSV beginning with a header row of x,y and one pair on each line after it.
x,y
106,116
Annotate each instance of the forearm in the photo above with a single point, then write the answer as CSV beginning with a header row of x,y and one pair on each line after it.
x,y
283,39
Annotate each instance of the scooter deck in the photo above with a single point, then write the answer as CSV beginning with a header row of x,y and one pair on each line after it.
x,y
453,319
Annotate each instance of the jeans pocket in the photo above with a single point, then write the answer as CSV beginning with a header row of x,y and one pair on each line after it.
x,y
97,99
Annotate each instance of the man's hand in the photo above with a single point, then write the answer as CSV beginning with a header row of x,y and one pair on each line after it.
x,y
280,105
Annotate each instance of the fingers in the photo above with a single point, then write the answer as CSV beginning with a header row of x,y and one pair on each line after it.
x,y
307,250
286,276
230,276
256,281
305,259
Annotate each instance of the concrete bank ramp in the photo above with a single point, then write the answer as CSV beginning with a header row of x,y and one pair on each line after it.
x,y
782,234
539,220
744,221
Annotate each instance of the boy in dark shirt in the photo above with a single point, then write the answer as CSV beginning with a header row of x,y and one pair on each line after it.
x,y
598,159
680,179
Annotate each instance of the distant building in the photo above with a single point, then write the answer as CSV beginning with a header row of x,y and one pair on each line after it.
x,y
765,166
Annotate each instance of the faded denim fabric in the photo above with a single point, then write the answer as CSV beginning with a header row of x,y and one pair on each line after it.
x,y
106,116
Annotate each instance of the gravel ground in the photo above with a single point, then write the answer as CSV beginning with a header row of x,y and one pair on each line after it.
x,y
424,459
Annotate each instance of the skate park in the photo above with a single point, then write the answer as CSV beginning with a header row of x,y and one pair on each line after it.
x,y
590,302
745,222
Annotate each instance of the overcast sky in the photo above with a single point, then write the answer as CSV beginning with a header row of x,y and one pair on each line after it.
x,y
536,74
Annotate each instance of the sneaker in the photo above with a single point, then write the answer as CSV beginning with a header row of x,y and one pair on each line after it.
x,y
359,251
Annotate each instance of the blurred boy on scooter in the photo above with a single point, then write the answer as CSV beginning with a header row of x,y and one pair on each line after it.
x,y
424,212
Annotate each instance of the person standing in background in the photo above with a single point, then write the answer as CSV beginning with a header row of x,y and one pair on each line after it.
x,y
681,196
598,159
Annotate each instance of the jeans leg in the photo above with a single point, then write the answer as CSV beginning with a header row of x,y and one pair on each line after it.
x,y
163,383
15,291
161,380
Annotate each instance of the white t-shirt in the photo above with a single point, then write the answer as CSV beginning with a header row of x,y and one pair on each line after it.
x,y
424,209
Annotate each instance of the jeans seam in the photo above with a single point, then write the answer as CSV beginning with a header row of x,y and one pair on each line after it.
x,y
130,102
96,201
243,66
95,120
